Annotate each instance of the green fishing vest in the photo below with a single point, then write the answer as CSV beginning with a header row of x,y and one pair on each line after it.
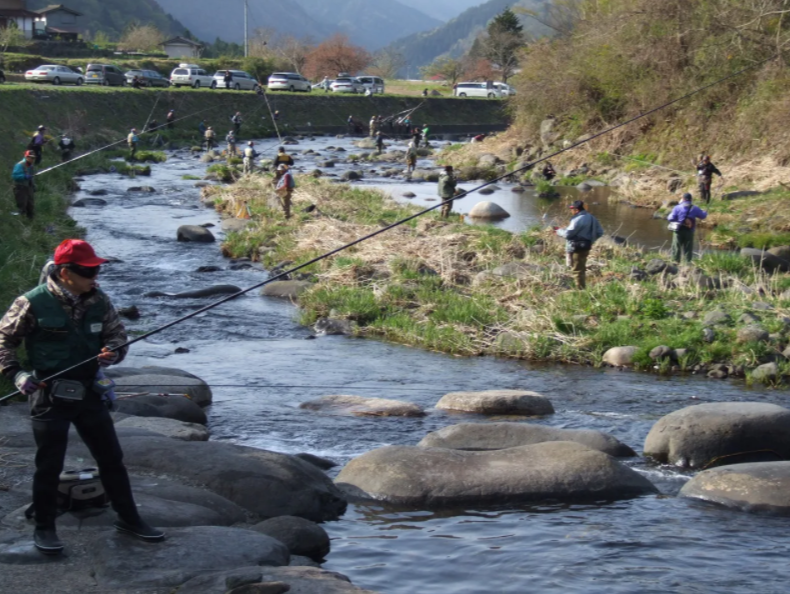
x,y
57,343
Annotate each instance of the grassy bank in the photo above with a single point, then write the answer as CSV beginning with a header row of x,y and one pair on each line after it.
x,y
439,285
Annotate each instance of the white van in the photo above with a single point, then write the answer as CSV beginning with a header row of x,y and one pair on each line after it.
x,y
477,89
505,89
374,83
191,75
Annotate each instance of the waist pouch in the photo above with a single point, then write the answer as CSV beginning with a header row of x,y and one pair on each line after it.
x,y
580,245
67,391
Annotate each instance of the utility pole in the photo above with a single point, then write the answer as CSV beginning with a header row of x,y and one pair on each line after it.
x,y
246,37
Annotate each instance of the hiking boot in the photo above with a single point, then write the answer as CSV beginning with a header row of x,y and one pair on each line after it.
x,y
47,541
140,530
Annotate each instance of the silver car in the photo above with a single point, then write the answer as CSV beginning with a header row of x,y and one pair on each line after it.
x,y
347,84
242,81
54,74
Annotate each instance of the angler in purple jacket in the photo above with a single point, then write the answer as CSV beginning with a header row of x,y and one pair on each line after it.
x,y
682,223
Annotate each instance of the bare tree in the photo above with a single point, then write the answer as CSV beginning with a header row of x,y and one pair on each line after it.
x,y
387,63
141,38
445,67
336,55
293,52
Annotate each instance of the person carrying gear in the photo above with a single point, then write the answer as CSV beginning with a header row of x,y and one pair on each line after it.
x,y
447,188
231,140
284,187
132,141
250,155
62,323
705,171
24,187
411,158
228,78
416,136
580,235
66,146
171,119
236,119
425,131
37,143
276,114
283,158
209,136
352,125
683,222
379,142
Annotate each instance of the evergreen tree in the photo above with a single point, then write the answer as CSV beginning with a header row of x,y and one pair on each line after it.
x,y
505,39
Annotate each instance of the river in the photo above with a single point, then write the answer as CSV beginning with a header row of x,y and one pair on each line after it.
x,y
262,365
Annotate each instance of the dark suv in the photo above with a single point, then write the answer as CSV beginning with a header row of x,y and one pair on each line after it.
x,y
105,75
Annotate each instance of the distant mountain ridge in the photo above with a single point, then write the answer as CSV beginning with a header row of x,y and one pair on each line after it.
x,y
444,10
370,23
455,37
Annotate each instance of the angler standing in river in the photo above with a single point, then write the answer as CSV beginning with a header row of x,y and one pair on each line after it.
x,y
580,235
411,158
705,172
131,140
249,158
71,329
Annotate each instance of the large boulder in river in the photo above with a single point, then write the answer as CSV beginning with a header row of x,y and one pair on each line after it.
x,y
696,436
757,487
766,260
265,483
497,402
435,477
302,537
364,407
167,428
289,289
194,389
488,210
194,233
263,580
155,405
129,564
620,356
500,436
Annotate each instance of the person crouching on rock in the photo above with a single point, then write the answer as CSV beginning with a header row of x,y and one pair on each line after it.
x,y
70,329
580,235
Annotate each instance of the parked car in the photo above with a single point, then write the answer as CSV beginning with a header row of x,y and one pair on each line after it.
x,y
477,89
2,77
324,85
505,89
148,78
242,81
191,75
289,81
105,75
54,74
347,84
374,83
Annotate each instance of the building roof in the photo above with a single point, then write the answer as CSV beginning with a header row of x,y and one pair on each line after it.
x,y
54,7
16,12
178,40
63,30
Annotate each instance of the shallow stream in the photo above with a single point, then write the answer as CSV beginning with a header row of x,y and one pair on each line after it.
x,y
650,544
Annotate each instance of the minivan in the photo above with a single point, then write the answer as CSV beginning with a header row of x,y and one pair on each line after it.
x,y
505,89
374,83
242,81
476,89
105,75
191,75
289,81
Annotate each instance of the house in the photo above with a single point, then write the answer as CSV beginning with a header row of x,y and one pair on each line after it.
x,y
181,47
60,21
15,12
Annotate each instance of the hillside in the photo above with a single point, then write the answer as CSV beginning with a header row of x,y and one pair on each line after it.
x,y
456,37
113,16
444,10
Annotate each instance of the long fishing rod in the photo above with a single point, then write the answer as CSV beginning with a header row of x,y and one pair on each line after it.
x,y
401,222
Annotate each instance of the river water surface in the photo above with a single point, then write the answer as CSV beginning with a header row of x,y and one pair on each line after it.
x,y
262,365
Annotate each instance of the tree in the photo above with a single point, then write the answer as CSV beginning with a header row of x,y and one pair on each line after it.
x,y
336,55
503,42
11,36
445,67
387,63
141,38
293,52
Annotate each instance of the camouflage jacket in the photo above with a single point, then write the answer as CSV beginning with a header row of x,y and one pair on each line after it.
x,y
19,322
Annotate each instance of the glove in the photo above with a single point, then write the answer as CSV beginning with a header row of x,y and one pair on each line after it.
x,y
26,383
28,176
107,357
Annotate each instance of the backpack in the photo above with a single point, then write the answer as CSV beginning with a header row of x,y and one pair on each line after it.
x,y
290,183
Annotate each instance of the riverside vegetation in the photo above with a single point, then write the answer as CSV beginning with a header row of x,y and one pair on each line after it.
x,y
478,290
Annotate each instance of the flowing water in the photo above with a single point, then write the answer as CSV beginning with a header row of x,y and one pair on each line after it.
x,y
262,365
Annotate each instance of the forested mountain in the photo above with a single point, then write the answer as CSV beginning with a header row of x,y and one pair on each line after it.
x,y
456,37
113,16
444,10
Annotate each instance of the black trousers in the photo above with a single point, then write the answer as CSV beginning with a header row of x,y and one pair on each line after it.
x,y
95,426
37,150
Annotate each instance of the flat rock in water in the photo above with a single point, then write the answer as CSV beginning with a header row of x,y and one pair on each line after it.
x,y
409,195
194,233
285,289
302,537
725,432
620,356
500,436
762,487
364,407
497,402
488,210
167,428
241,474
435,477
121,561
89,202
195,390
302,580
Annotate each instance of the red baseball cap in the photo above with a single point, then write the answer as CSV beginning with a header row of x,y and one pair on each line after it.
x,y
77,251
30,154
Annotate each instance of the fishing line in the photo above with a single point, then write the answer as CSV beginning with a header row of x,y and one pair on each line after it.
x,y
285,274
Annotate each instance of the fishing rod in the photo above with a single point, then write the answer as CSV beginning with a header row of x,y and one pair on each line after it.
x,y
286,273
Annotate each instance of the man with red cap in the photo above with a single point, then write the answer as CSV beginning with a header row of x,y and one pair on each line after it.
x,y
70,329
24,188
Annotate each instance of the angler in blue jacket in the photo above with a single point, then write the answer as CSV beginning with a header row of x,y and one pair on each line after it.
x,y
24,188
580,235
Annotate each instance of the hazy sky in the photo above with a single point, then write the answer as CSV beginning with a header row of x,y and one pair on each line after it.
x,y
440,9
